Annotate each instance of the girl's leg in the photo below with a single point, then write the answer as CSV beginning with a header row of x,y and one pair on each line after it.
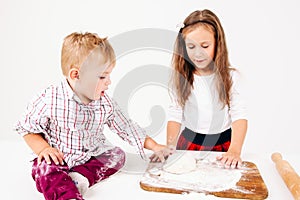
x,y
53,181
101,167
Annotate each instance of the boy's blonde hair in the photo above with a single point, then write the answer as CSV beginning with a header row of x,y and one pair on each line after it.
x,y
77,46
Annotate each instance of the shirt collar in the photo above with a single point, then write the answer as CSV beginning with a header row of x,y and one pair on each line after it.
x,y
67,88
72,96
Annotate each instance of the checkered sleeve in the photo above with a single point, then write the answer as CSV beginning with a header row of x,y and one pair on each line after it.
x,y
126,128
33,119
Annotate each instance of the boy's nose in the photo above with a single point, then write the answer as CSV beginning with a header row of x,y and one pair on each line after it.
x,y
108,82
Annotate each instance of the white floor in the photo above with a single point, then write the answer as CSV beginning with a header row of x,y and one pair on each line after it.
x,y
16,182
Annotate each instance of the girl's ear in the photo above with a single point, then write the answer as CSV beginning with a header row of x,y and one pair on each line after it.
x,y
74,73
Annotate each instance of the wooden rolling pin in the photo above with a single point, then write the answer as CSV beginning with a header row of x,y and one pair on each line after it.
x,y
288,174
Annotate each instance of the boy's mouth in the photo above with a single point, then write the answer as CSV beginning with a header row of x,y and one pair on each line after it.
x,y
102,93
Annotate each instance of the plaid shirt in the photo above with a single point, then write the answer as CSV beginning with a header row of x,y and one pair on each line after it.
x,y
77,129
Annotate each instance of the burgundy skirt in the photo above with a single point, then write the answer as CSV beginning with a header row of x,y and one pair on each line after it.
x,y
190,140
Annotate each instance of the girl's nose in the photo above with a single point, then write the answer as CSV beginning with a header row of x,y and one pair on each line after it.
x,y
199,52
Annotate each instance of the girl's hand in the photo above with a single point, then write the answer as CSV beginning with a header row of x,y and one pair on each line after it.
x,y
51,153
230,160
161,153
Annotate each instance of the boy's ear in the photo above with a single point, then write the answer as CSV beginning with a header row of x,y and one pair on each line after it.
x,y
74,73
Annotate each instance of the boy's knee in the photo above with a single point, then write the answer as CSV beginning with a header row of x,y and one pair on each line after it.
x,y
117,157
44,169
120,156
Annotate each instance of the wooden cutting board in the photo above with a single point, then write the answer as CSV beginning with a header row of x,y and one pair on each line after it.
x,y
250,185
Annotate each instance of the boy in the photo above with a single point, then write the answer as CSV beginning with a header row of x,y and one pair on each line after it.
x,y
64,124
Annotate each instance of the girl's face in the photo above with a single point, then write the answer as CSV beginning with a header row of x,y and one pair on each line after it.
x,y
94,78
200,46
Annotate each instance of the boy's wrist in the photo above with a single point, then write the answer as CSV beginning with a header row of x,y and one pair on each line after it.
x,y
158,147
42,149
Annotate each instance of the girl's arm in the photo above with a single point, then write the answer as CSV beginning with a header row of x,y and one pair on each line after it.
x,y
173,129
232,158
42,149
239,129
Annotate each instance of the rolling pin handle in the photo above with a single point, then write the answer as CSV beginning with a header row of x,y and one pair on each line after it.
x,y
276,157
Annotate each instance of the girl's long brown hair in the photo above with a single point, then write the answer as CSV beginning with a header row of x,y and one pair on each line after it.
x,y
183,73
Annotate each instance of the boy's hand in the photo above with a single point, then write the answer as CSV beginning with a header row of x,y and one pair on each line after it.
x,y
51,153
161,153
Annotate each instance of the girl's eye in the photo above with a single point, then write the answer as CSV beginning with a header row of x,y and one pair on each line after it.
x,y
191,46
205,46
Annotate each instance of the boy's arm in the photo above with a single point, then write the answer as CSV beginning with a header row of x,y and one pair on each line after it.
x,y
36,142
131,132
42,149
161,152
125,128
152,145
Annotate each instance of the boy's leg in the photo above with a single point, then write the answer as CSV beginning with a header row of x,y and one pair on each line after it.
x,y
53,181
101,167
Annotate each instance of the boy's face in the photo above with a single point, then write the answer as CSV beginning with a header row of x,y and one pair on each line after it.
x,y
94,77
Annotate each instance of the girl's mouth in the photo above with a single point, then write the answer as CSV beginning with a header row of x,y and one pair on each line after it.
x,y
200,61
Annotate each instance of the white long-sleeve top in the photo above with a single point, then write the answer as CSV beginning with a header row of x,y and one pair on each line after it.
x,y
203,112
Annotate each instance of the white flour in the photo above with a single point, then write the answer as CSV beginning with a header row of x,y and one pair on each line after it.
x,y
197,175
206,177
181,165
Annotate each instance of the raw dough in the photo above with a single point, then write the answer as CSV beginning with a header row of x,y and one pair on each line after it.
x,y
192,171
180,165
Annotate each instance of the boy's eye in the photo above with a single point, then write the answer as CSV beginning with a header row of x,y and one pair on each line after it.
x,y
101,77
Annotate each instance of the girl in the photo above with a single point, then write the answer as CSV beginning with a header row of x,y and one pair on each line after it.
x,y
206,103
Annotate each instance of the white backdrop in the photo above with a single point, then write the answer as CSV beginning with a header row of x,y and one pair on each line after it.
x,y
262,38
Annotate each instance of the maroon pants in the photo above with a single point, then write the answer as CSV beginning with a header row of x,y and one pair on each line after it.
x,y
54,182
